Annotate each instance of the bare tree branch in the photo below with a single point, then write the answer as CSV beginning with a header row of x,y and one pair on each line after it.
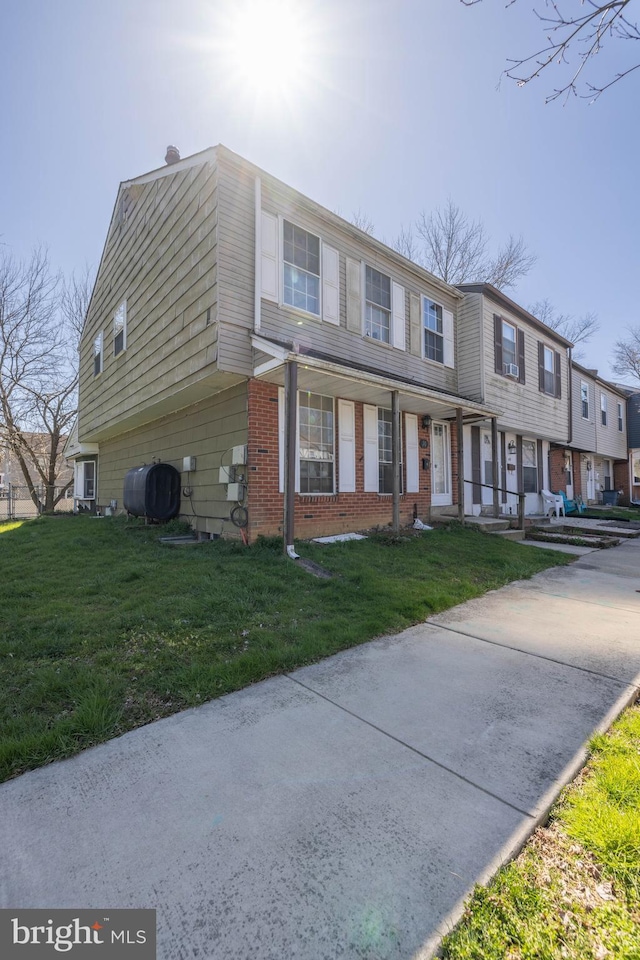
x,y
406,244
577,329
38,371
363,222
626,356
572,41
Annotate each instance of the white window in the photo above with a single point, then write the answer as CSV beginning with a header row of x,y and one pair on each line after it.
x,y
636,468
549,372
433,330
509,349
584,397
385,452
316,443
120,329
97,354
603,409
529,467
377,323
85,480
620,423
301,255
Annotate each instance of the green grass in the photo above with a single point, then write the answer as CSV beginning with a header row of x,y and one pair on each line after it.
x,y
611,513
103,629
574,891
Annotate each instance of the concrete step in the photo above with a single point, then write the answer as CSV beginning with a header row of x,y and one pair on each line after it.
x,y
510,534
487,524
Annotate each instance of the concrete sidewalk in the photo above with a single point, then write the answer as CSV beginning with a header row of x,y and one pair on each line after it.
x,y
345,810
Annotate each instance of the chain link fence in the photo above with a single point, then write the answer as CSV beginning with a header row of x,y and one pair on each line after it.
x,y
16,502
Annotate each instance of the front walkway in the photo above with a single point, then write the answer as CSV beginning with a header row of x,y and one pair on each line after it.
x,y
345,810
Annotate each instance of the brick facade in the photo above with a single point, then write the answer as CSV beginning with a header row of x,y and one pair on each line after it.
x,y
319,515
557,473
621,480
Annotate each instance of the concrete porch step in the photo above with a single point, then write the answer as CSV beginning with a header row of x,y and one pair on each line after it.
x,y
488,524
510,534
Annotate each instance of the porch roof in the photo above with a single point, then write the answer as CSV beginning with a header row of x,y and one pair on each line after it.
x,y
333,376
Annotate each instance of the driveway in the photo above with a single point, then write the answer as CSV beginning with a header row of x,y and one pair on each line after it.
x,y
346,810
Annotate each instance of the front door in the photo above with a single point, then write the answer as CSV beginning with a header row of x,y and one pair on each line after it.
x,y
440,465
591,483
486,463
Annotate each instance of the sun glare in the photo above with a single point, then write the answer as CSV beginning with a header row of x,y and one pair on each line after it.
x,y
268,48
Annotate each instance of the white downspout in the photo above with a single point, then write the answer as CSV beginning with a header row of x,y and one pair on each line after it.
x,y
258,257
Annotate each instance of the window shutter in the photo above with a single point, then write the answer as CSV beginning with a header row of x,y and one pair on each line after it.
x,y
415,326
269,258
354,295
540,465
558,375
497,342
476,473
411,442
398,317
447,328
503,467
330,285
370,425
520,335
519,475
281,439
346,446
541,366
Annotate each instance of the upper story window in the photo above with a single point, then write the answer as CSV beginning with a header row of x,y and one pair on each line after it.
x,y
301,255
549,376
120,329
620,423
584,398
317,452
97,354
433,330
377,322
508,349
603,409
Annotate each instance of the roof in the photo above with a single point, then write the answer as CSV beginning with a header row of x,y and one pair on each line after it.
x,y
488,290
617,388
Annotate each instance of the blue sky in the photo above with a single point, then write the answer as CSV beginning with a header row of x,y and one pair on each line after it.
x,y
396,109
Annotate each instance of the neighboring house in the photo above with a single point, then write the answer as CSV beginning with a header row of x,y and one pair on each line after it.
x,y
595,459
256,341
633,440
512,362
39,443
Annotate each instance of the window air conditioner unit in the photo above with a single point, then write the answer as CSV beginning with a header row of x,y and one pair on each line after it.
x,y
511,370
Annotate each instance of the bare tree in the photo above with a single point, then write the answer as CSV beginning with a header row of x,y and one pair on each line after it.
x,y
626,356
456,249
406,244
577,329
363,222
572,41
74,299
38,373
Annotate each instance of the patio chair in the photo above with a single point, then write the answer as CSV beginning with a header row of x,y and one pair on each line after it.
x,y
552,501
572,506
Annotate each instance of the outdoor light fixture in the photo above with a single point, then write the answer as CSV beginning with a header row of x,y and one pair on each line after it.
x,y
511,447
426,421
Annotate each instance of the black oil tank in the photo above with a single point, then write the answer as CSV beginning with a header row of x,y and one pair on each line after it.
x,y
152,491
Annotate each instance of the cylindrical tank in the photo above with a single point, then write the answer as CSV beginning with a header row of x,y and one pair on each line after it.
x,y
152,491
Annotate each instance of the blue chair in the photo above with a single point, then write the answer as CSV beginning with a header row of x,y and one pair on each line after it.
x,y
572,506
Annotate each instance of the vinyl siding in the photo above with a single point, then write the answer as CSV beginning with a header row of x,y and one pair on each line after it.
x,y
525,409
584,431
610,442
236,276
206,430
162,260
470,333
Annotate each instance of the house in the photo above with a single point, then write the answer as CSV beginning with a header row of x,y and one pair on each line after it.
x,y
260,344
510,361
595,459
633,440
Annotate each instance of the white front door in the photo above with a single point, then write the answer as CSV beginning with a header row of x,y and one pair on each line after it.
x,y
591,484
440,465
486,467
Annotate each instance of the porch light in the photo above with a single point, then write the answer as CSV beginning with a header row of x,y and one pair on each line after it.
x,y
511,447
426,421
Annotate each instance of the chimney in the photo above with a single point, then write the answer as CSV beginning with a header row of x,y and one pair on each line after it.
x,y
172,155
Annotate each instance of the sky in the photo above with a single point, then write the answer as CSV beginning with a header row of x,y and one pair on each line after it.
x,y
387,108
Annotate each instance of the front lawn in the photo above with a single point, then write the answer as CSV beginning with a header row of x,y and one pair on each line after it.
x,y
574,891
104,629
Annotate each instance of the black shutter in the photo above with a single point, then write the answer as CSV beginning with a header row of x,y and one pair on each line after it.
x,y
476,474
558,377
503,466
497,342
540,465
520,356
541,367
519,477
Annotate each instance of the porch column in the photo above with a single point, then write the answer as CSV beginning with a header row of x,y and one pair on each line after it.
x,y
494,466
290,407
459,426
396,455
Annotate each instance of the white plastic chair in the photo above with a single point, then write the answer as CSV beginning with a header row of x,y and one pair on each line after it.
x,y
553,501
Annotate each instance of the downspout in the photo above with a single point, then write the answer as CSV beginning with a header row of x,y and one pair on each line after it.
x,y
395,458
258,256
570,396
494,466
290,404
460,432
